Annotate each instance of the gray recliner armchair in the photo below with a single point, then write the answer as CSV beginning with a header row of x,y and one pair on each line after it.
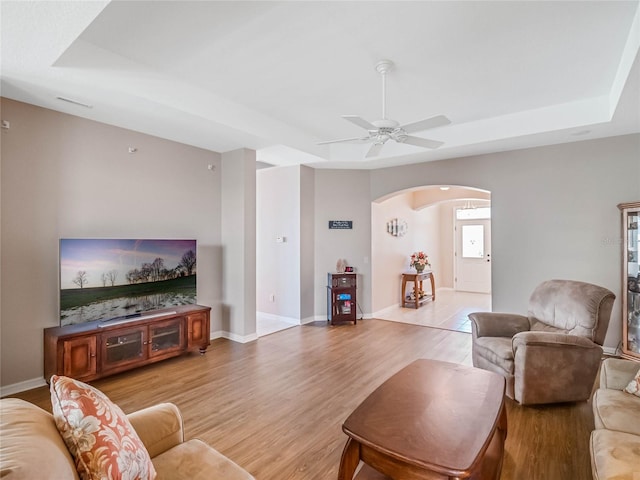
x,y
552,354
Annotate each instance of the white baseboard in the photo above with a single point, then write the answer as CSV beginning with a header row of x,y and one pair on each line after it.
x,y
310,319
22,386
233,336
217,334
279,318
240,338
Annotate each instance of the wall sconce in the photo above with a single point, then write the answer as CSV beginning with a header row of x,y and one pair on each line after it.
x,y
397,227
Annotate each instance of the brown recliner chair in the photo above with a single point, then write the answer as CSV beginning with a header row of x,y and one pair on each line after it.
x,y
552,354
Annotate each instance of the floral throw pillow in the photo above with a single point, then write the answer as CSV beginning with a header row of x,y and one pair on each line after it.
x,y
634,385
98,434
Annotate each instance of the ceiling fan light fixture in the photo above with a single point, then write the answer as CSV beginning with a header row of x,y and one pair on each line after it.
x,y
380,131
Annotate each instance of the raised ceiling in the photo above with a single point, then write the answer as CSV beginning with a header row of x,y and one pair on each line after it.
x,y
277,76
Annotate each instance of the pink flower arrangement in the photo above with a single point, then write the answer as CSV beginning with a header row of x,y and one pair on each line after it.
x,y
419,260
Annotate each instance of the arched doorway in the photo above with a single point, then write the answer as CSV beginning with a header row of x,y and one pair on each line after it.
x,y
428,215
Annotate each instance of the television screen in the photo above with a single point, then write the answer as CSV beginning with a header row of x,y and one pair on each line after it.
x,y
103,279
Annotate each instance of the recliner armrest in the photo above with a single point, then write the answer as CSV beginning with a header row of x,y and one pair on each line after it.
x,y
159,427
551,339
553,367
490,324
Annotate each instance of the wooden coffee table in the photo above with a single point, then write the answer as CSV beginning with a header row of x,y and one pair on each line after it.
x,y
431,420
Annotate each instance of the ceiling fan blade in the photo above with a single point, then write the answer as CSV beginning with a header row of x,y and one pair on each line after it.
x,y
359,121
433,122
421,142
345,140
374,151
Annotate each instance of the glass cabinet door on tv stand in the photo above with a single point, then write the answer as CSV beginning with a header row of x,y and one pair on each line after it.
x,y
132,345
123,347
630,280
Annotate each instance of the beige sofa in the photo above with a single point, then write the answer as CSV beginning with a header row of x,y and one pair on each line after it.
x,y
615,442
31,447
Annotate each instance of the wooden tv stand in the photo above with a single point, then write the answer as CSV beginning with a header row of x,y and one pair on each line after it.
x,y
89,351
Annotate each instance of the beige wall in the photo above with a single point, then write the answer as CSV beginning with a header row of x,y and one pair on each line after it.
x,y
391,254
238,237
342,195
554,216
63,176
554,212
285,208
307,243
278,264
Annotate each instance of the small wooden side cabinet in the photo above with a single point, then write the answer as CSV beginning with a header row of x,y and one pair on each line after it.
x,y
417,279
89,351
341,297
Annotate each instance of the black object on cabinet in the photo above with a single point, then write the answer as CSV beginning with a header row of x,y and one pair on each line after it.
x,y
341,297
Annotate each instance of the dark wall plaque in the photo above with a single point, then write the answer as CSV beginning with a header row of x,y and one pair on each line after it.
x,y
340,224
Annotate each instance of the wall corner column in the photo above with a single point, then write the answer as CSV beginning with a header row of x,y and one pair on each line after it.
x,y
238,224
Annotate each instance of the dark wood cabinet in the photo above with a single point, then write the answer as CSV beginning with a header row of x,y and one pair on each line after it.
x,y
197,330
341,297
93,350
79,357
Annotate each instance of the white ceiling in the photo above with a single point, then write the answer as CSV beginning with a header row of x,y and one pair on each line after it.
x,y
277,76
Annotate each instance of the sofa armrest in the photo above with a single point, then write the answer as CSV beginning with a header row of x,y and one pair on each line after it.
x,y
489,324
553,367
159,427
616,373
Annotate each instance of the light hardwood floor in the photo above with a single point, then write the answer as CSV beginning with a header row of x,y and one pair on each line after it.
x,y
276,405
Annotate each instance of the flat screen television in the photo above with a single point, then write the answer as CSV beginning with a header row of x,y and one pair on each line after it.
x,y
107,279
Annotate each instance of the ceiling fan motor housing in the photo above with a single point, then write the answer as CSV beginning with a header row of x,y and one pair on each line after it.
x,y
386,124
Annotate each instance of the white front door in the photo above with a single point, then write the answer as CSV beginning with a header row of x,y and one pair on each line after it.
x,y
473,255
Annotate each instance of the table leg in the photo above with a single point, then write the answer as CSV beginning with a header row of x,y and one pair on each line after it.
x,y
433,287
416,292
404,290
350,460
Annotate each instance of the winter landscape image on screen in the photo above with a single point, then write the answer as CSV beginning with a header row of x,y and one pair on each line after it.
x,y
106,279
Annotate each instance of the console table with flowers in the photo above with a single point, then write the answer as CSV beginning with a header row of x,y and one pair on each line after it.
x,y
417,296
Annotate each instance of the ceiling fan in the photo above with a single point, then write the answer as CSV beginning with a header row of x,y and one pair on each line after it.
x,y
380,131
